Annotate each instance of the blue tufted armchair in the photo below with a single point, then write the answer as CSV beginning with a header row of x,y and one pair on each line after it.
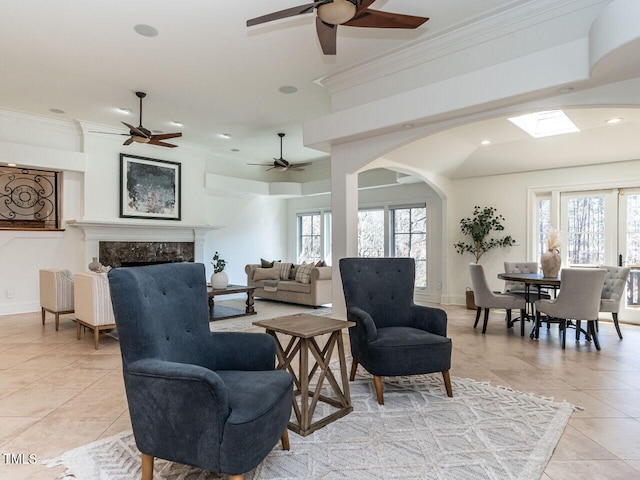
x,y
392,336
211,400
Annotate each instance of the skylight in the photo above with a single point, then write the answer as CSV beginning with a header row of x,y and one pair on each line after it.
x,y
545,124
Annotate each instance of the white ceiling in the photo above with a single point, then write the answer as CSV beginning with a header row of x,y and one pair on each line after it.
x,y
209,71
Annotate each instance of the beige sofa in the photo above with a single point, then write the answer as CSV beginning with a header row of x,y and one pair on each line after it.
x,y
315,293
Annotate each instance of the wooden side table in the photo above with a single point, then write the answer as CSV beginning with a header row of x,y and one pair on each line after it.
x,y
303,329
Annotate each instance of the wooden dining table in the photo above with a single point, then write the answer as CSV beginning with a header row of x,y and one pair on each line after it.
x,y
529,279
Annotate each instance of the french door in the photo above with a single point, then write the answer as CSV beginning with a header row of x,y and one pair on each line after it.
x,y
603,228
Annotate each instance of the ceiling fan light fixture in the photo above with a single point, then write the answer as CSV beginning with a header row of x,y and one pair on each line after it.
x,y
139,139
337,12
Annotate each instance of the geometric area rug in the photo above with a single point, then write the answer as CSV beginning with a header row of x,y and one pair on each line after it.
x,y
483,432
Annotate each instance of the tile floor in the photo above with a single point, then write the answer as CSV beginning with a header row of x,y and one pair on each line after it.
x,y
57,393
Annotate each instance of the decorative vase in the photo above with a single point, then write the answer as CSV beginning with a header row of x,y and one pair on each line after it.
x,y
219,280
95,265
550,262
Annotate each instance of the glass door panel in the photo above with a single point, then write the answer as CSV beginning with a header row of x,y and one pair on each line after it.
x,y
629,253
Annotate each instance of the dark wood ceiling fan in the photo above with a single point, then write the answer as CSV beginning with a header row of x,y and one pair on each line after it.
x,y
140,134
352,13
281,163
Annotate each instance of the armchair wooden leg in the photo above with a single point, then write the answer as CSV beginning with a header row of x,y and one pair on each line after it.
x,y
78,331
285,439
377,381
478,310
96,336
354,367
147,467
236,477
447,383
43,314
57,321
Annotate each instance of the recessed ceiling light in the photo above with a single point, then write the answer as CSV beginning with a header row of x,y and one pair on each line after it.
x,y
235,150
545,124
485,142
11,164
225,136
126,111
56,110
146,30
288,89
566,89
177,124
611,121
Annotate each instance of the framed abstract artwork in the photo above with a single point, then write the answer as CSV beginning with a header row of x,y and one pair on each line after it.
x,y
149,188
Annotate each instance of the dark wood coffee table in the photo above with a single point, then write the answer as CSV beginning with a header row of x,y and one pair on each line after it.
x,y
303,330
219,312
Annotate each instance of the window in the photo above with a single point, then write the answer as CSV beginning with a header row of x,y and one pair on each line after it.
x,y
395,231
544,223
371,233
586,230
309,237
29,198
410,238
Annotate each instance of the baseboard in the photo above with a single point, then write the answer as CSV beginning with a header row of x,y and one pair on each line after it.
x,y
14,308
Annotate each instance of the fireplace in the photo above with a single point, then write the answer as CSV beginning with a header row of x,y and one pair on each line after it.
x,y
129,254
115,242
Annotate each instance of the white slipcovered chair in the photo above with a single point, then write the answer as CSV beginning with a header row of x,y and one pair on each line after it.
x,y
485,298
93,304
578,299
615,281
56,293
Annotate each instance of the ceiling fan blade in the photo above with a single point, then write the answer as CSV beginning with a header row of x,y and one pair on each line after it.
x,y
128,141
302,164
261,164
327,36
270,168
364,4
161,144
136,130
289,12
377,19
295,169
164,136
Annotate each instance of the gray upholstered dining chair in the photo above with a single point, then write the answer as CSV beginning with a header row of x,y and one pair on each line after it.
x,y
578,299
486,299
211,400
519,288
392,336
615,282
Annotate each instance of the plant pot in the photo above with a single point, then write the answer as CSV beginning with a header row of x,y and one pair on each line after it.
x,y
471,303
219,280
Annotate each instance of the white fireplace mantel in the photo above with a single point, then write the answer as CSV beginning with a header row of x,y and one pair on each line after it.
x,y
96,231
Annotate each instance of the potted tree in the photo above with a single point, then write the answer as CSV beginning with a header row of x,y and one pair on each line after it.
x,y
219,278
478,229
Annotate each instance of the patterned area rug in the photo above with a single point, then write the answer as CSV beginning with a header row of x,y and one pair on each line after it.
x,y
483,432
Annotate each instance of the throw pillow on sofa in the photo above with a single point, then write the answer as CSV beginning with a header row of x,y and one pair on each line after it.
x,y
303,275
284,268
272,273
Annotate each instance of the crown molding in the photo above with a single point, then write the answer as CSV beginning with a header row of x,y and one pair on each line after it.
x,y
504,21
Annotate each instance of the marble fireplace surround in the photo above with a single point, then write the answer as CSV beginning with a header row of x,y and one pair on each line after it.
x,y
161,241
